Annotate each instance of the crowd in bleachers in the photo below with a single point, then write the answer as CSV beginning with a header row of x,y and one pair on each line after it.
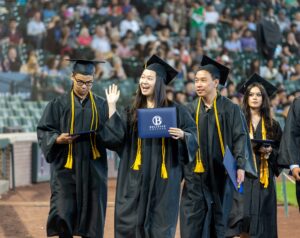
x,y
37,36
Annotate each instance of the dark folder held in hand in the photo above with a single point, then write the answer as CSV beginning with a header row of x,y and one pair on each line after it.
x,y
155,122
82,133
231,167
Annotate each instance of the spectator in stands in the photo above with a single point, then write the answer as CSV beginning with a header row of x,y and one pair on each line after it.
x,y
284,72
124,50
36,31
225,17
254,67
48,11
190,92
296,74
117,66
248,42
251,22
152,19
211,15
197,23
68,41
213,41
180,97
147,36
129,24
163,22
296,33
51,68
283,21
127,7
180,14
84,38
54,32
65,67
234,43
32,65
291,47
83,9
115,8
13,33
11,63
269,72
297,20
100,40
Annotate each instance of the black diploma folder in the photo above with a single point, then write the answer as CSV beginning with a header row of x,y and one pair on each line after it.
x,y
82,133
155,122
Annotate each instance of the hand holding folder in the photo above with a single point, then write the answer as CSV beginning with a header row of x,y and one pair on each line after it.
x,y
231,168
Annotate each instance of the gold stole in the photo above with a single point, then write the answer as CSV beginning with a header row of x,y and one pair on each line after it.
x,y
94,125
264,169
199,168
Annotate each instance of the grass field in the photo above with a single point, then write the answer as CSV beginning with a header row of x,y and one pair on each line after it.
x,y
290,191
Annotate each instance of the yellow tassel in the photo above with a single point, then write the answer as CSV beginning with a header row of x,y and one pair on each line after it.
x,y
199,168
164,173
69,163
95,151
138,158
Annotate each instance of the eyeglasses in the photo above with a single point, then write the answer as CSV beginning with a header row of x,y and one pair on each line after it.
x,y
81,83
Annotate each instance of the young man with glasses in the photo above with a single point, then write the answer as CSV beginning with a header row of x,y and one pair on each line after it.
x,y
73,137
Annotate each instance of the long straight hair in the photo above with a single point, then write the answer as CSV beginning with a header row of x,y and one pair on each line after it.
x,y
265,109
140,101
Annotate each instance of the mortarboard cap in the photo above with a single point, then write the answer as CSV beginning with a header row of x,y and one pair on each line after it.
x,y
86,67
255,78
162,68
216,69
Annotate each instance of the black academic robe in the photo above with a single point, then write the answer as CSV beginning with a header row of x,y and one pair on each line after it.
x,y
78,195
260,207
289,153
146,204
207,197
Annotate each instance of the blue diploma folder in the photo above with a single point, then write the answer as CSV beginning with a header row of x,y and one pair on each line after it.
x,y
155,122
231,168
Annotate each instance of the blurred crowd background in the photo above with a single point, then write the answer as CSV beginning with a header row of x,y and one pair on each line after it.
x,y
37,36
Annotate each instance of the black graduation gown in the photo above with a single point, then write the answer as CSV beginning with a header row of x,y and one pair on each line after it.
x,y
78,195
290,142
207,197
260,207
146,204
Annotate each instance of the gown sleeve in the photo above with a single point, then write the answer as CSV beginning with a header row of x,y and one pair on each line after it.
x,y
290,141
48,130
189,144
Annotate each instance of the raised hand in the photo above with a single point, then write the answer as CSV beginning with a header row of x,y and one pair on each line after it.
x,y
112,96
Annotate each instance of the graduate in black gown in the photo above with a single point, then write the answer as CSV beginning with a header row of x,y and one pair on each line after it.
x,y
290,145
260,206
78,163
150,170
208,193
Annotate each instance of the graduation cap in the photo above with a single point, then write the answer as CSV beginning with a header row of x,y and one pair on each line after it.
x,y
86,67
255,78
162,68
216,69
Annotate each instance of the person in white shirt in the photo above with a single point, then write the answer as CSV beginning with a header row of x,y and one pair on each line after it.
x,y
36,30
100,41
129,24
147,36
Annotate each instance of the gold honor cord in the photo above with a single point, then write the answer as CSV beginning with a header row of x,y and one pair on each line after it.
x,y
264,168
199,165
95,151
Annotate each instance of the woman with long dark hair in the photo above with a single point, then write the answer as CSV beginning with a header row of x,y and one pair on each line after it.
x,y
150,170
259,218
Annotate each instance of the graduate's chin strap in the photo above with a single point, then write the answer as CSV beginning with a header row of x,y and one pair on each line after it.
x,y
199,168
94,125
138,158
264,167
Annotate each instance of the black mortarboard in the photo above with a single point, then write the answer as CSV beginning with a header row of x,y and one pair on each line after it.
x,y
86,67
255,78
216,69
162,68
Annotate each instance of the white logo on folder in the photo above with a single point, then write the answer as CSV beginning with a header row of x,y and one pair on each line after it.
x,y
157,120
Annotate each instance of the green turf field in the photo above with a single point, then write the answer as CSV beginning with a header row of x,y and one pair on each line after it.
x,y
290,190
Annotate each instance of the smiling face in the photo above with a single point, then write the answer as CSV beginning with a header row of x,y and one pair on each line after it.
x,y
255,98
205,84
147,82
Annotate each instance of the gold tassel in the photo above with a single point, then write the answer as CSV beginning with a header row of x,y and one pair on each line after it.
x,y
138,158
199,168
264,168
69,163
95,151
164,173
